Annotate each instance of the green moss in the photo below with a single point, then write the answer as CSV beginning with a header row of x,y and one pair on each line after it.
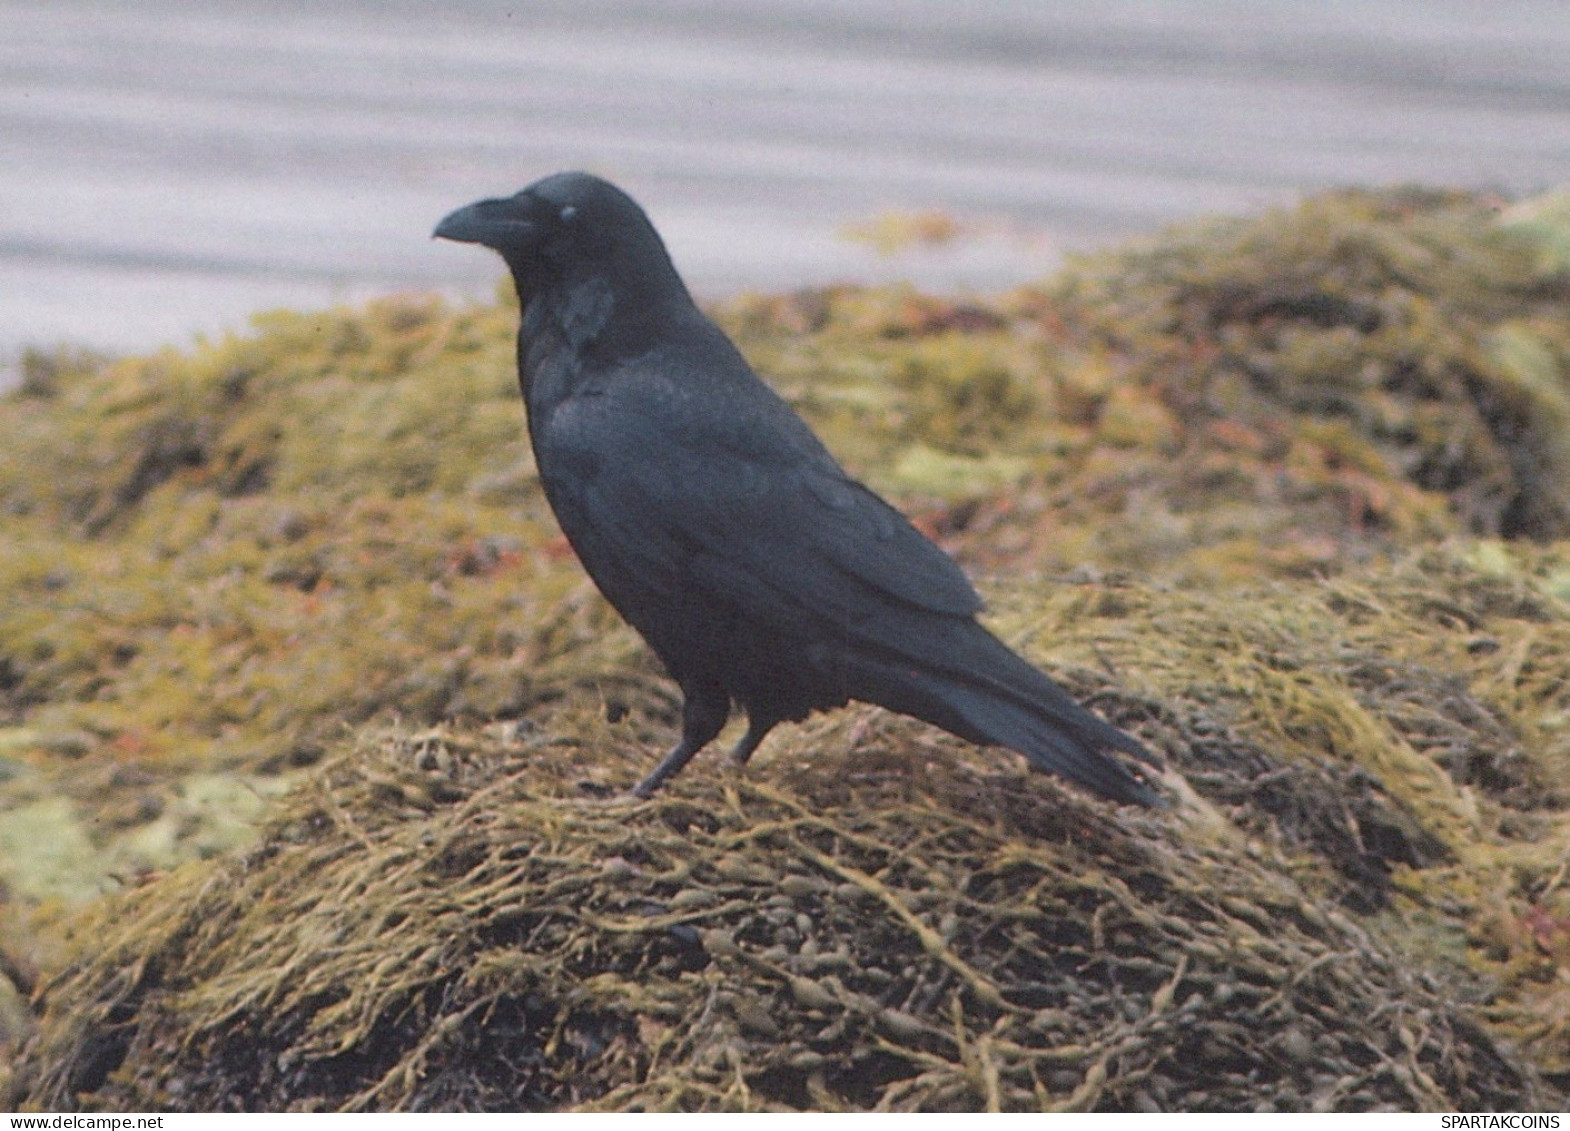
x,y
47,853
923,470
1544,223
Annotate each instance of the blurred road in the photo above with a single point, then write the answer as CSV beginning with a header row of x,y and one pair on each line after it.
x,y
168,167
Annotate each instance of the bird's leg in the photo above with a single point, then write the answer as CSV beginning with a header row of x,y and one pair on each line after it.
x,y
703,716
758,726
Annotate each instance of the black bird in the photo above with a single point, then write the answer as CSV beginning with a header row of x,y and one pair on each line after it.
x,y
719,526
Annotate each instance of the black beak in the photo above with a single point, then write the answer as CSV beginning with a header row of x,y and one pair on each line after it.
x,y
500,224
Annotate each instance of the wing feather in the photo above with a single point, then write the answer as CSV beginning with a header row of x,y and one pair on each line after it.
x,y
742,480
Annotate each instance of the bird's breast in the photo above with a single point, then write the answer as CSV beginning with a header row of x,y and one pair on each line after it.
x,y
566,442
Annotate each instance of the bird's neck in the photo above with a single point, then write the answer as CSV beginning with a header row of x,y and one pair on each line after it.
x,y
568,331
600,321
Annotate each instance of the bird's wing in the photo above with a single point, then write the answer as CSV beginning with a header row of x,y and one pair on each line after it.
x,y
822,538
735,488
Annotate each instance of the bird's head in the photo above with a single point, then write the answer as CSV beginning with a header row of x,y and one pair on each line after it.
x,y
564,229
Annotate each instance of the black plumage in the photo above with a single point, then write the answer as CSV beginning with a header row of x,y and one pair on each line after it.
x,y
719,526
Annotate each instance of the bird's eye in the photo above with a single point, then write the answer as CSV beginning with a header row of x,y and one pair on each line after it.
x,y
568,214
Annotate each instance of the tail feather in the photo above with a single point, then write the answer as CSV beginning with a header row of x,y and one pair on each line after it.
x,y
985,693
1064,746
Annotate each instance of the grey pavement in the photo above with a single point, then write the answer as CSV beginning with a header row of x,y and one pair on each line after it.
x,y
166,168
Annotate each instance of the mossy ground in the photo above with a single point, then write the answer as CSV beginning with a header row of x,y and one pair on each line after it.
x,y
1285,495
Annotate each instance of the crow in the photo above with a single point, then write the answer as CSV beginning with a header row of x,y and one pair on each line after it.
x,y
716,523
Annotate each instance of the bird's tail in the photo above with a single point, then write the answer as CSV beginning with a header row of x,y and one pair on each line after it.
x,y
983,692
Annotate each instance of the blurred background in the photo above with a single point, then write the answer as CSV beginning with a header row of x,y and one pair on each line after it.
x,y
168,168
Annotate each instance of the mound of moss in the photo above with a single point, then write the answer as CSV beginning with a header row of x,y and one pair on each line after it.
x,y
879,916
1322,438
